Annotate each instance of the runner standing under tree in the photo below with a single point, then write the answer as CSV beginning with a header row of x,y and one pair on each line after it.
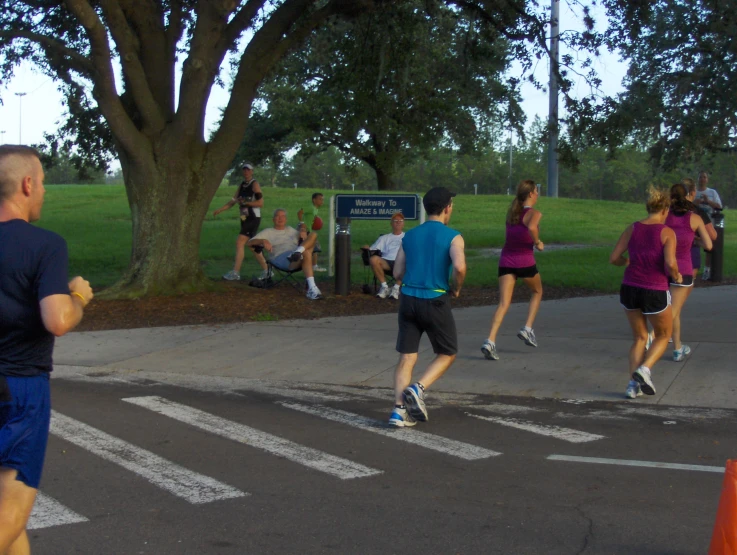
x,y
644,292
518,261
250,199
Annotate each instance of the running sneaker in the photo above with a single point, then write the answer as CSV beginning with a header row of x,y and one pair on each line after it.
x,y
633,390
394,294
706,274
650,339
296,256
317,268
314,294
682,353
400,418
383,291
232,276
414,399
265,275
642,376
489,350
527,336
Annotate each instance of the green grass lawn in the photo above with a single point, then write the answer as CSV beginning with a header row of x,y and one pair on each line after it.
x,y
95,221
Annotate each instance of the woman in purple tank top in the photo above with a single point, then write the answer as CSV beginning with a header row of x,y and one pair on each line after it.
x,y
684,221
644,293
518,261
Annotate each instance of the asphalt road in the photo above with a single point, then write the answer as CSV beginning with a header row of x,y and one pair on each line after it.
x,y
139,466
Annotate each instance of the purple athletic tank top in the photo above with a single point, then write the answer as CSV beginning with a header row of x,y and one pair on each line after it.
x,y
517,250
681,225
647,258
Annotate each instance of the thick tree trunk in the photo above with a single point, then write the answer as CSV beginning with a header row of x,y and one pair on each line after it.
x,y
384,180
168,202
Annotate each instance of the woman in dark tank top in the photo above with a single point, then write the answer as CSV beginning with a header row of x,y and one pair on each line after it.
x,y
644,293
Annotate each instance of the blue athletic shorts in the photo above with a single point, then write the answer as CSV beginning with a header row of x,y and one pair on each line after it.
x,y
25,412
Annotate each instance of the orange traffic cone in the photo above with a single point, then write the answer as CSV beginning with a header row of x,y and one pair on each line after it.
x,y
724,537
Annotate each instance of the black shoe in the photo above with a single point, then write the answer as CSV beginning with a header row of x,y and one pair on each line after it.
x,y
296,256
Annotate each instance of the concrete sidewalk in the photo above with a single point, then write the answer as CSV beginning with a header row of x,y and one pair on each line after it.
x,y
582,355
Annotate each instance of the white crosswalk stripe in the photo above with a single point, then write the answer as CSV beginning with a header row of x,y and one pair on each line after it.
x,y
429,441
48,512
558,432
312,458
191,486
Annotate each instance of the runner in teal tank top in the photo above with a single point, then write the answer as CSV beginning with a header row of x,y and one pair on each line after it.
x,y
432,266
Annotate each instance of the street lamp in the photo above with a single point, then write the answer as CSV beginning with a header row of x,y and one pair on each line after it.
x,y
20,115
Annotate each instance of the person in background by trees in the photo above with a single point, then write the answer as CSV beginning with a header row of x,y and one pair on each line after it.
x,y
683,220
37,304
709,200
518,261
250,199
644,291
315,225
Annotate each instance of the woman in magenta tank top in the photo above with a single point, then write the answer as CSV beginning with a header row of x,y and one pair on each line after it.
x,y
518,261
684,221
644,293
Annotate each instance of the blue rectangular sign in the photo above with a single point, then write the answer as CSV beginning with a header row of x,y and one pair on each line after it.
x,y
376,207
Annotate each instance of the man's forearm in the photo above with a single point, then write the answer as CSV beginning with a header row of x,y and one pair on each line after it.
x,y
459,276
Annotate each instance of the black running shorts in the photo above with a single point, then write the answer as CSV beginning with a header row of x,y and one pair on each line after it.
x,y
249,227
528,272
431,316
648,301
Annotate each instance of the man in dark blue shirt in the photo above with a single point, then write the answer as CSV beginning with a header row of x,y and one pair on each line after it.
x,y
428,255
36,305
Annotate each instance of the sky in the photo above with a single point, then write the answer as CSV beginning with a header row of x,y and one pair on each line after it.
x,y
41,108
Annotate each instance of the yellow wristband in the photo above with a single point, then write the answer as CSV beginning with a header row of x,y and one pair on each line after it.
x,y
80,296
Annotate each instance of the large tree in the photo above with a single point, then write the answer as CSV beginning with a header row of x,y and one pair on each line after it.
x,y
679,97
124,54
117,61
388,85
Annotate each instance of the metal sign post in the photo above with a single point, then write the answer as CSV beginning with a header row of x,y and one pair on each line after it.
x,y
370,207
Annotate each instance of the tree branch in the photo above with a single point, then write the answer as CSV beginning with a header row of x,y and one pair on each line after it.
x,y
104,77
76,60
125,40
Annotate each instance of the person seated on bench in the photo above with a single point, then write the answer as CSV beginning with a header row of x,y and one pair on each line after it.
x,y
387,247
289,249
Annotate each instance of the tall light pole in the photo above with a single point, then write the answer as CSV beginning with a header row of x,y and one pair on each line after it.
x,y
20,115
2,137
553,99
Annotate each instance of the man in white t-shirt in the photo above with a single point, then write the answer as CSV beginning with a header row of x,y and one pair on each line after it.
x,y
289,248
383,261
707,199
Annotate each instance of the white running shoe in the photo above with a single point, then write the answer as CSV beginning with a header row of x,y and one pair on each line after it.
x,y
489,350
527,336
400,418
319,269
650,339
633,390
642,377
314,294
682,353
232,276
265,275
383,291
394,293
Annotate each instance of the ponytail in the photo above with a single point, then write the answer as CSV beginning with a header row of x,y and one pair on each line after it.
x,y
524,189
679,204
